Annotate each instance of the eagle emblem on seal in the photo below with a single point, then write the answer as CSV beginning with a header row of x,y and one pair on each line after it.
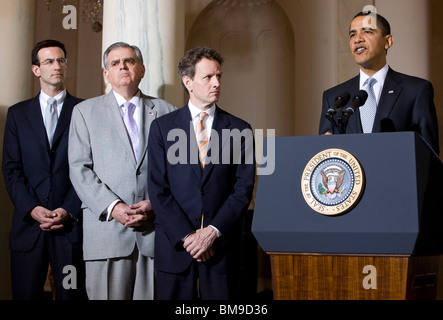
x,y
332,180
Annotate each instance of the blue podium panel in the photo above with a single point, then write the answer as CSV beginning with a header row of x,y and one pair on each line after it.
x,y
388,218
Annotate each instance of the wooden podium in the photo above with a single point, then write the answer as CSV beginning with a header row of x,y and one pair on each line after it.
x,y
386,247
341,277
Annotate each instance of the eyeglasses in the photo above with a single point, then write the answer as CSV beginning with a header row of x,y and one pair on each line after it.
x,y
62,61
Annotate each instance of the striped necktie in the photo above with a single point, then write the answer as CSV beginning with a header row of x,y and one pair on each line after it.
x,y
368,110
202,138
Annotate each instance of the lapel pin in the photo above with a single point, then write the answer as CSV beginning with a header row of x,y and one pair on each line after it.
x,y
391,91
151,113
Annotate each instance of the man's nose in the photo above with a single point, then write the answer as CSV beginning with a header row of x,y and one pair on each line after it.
x,y
56,64
358,38
216,82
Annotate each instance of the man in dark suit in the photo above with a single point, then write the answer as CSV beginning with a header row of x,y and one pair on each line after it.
x,y
199,190
46,225
402,102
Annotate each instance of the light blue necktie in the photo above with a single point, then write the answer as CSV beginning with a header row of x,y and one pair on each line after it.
x,y
368,110
127,111
51,117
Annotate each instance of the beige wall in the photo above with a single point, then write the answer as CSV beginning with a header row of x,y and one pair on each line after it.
x,y
322,59
15,84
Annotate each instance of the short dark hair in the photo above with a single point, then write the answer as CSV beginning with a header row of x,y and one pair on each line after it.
x,y
45,44
382,23
186,66
116,45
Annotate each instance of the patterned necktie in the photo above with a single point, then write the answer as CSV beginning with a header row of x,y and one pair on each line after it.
x,y
51,117
202,138
127,111
367,112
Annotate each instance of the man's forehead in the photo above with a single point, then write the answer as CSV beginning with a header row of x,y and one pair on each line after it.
x,y
364,23
121,53
206,65
50,51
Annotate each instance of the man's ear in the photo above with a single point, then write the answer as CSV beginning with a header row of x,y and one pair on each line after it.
x,y
187,82
105,74
36,70
389,42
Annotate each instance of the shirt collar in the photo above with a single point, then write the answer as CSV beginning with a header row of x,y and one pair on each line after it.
x,y
60,98
380,76
120,100
196,111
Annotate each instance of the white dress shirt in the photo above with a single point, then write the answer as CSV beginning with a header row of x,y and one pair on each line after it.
x,y
380,76
209,121
195,120
137,101
60,98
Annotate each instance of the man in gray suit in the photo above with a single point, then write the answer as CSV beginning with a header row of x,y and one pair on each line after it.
x,y
107,157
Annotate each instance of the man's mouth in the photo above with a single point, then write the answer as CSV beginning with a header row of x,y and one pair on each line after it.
x,y
359,50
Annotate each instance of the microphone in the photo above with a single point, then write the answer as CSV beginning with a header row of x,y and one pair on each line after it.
x,y
359,100
340,101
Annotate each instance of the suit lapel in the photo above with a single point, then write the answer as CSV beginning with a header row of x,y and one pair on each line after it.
x,y
65,117
183,121
35,118
148,114
391,91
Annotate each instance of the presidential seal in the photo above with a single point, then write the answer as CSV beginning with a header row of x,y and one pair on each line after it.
x,y
332,182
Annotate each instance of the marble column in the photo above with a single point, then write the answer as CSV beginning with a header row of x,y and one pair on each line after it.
x,y
16,37
157,28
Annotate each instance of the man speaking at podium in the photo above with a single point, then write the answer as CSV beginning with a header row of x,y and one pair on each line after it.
x,y
395,101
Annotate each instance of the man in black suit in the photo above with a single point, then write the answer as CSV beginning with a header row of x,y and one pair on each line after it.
x,y
402,102
199,190
46,224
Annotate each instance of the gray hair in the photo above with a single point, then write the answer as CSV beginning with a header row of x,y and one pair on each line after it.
x,y
116,45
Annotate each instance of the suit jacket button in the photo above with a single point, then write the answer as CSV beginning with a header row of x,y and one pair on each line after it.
x,y
203,193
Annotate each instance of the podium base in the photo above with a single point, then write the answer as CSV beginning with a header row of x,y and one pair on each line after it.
x,y
354,277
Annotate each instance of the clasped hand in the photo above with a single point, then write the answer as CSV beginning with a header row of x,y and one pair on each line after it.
x,y
199,244
50,220
132,216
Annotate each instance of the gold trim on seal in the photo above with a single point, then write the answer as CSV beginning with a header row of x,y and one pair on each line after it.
x,y
338,166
